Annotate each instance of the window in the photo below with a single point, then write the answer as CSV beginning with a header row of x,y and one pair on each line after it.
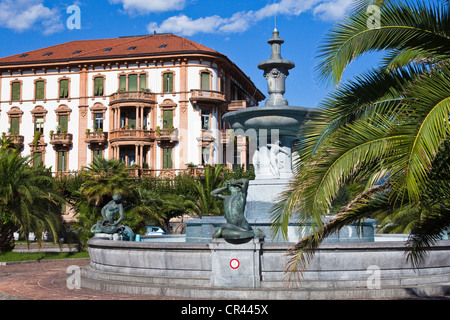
x,y
63,88
167,158
205,120
77,52
162,46
63,122
48,54
37,159
98,86
205,85
15,125
143,82
62,161
132,82
131,48
39,90
167,119
107,49
98,121
123,83
206,153
97,154
15,91
168,82
23,55
39,124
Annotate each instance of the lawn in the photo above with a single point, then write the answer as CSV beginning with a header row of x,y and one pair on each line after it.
x,y
38,256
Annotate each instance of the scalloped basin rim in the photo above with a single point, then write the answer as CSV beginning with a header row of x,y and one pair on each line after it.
x,y
268,117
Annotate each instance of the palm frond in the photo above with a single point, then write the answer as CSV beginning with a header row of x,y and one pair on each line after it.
x,y
403,26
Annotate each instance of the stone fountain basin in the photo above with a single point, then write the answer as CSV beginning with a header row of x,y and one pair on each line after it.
x,y
287,119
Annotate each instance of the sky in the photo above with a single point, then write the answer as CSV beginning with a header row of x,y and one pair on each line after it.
x,y
239,29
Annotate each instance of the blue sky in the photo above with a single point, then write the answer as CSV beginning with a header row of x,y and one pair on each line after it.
x,y
239,29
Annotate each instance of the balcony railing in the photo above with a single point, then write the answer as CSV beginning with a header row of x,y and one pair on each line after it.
x,y
96,137
132,96
16,140
208,96
61,139
167,135
132,135
237,105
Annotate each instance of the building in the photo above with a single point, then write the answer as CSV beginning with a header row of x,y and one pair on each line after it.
x,y
155,102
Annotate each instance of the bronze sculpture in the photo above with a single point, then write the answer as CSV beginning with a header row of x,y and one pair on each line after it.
x,y
110,224
237,227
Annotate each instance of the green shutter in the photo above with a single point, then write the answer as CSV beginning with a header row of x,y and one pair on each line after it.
x,y
205,81
15,94
37,159
62,161
168,82
142,82
15,125
123,83
167,118
63,88
132,82
98,86
97,153
167,158
63,123
39,90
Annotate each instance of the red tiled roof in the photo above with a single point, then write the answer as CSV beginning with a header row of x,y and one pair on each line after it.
x,y
157,44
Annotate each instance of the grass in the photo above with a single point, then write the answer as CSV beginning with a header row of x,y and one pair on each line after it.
x,y
38,256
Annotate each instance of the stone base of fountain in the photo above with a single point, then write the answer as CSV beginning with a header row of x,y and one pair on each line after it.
x,y
218,270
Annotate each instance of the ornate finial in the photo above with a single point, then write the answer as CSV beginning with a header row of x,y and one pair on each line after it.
x,y
276,71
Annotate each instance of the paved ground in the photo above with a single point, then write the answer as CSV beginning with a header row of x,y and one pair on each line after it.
x,y
46,280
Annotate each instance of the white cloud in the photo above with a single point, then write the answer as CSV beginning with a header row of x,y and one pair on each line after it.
x,y
242,21
22,15
147,6
332,10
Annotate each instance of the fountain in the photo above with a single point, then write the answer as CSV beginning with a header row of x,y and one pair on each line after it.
x,y
350,265
272,129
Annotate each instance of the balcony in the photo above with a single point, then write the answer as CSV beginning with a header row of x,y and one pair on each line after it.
x,y
61,140
237,105
16,140
132,96
99,138
167,135
207,96
132,135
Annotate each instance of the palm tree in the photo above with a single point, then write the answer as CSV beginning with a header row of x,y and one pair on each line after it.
x,y
384,129
104,178
213,178
27,199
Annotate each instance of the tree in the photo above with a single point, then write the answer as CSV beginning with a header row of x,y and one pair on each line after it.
x,y
383,129
27,199
103,179
213,178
